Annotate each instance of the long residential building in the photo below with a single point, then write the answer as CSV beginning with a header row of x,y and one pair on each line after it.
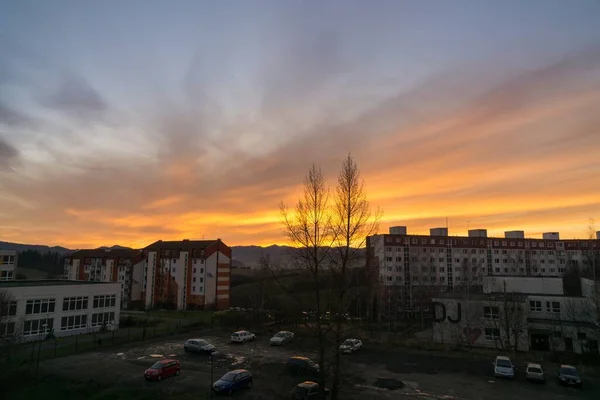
x,y
8,265
408,269
182,274
37,308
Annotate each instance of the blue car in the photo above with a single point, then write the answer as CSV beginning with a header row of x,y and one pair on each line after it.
x,y
233,381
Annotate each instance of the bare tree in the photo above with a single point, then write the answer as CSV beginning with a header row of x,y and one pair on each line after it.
x,y
353,221
8,324
310,231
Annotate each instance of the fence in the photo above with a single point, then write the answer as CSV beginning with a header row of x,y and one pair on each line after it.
x,y
33,352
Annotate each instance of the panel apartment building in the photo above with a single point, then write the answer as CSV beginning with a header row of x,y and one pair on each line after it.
x,y
183,274
8,265
409,268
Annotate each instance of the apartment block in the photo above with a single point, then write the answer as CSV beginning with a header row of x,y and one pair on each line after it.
x,y
8,265
37,308
123,266
409,268
187,274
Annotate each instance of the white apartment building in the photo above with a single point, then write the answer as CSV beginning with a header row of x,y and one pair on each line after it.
x,y
34,308
402,265
533,312
8,265
187,274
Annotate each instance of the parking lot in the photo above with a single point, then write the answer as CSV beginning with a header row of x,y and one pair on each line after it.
x,y
367,374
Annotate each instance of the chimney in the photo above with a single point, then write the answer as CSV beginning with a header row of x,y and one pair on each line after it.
x,y
550,236
480,233
397,230
514,235
438,232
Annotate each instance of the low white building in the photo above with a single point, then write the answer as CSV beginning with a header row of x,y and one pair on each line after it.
x,y
533,313
31,309
8,264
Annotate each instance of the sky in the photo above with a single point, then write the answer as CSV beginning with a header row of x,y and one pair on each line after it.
x,y
125,122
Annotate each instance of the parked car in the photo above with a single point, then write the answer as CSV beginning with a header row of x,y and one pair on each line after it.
x,y
162,369
198,346
307,390
503,367
351,345
282,338
302,365
568,375
242,336
233,381
535,373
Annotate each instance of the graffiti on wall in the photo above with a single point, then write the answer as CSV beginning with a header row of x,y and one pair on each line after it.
x,y
440,314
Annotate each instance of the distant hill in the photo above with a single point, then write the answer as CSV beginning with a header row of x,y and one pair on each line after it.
x,y
243,256
36,247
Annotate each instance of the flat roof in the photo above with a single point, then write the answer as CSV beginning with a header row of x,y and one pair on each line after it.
x,y
47,282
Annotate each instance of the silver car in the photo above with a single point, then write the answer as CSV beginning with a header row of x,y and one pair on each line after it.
x,y
535,373
198,346
282,338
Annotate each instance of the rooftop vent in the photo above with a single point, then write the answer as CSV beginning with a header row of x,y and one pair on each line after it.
x,y
480,233
514,234
438,232
551,236
397,230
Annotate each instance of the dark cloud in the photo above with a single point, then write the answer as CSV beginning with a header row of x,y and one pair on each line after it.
x,y
8,154
76,98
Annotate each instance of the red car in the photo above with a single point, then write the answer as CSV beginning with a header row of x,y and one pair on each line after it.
x,y
162,369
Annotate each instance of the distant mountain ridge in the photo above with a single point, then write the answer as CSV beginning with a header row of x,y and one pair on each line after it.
x,y
243,256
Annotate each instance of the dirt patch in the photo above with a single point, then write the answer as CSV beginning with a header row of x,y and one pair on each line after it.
x,y
389,383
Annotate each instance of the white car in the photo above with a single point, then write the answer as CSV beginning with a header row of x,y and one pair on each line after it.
x,y
351,345
282,338
242,336
198,346
503,367
534,372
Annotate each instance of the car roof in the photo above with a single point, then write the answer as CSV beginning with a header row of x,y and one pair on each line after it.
x,y
567,366
167,360
502,358
532,365
197,339
351,339
237,371
299,358
307,384
241,332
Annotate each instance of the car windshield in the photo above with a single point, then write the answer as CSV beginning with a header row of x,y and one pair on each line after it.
x,y
349,342
535,370
157,365
202,342
503,363
236,334
280,334
569,371
229,377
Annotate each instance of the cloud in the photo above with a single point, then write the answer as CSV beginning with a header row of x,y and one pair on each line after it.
x,y
502,153
8,154
13,118
75,97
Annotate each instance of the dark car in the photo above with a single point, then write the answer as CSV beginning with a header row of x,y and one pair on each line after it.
x,y
568,375
307,390
302,365
233,381
162,369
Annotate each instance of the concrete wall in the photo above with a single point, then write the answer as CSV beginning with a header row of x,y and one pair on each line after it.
x,y
523,284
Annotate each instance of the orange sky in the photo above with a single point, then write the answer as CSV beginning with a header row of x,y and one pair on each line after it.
x,y
521,153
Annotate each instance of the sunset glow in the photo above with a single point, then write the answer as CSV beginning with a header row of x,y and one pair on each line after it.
x,y
120,142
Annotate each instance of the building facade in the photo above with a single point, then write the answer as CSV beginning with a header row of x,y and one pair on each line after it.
x,y
32,309
108,265
187,274
406,269
8,265
522,313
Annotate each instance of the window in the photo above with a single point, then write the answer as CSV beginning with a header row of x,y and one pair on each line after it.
x,y
73,322
7,329
553,306
194,279
491,312
10,310
37,326
388,259
39,306
398,258
201,280
535,306
75,303
201,270
194,270
193,288
492,334
102,318
173,270
102,301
